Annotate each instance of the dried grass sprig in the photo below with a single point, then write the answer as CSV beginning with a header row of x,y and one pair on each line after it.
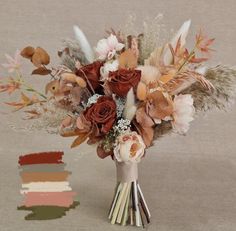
x,y
184,80
153,30
224,80
71,53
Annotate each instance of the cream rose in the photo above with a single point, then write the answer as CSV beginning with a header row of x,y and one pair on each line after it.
x,y
129,147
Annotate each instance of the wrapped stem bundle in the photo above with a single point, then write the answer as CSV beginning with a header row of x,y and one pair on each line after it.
x,y
128,205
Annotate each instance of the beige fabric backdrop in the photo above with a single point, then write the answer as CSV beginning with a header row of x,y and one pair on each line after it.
x,y
189,182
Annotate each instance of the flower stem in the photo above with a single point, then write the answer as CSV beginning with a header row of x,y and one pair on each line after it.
x,y
50,72
21,81
186,60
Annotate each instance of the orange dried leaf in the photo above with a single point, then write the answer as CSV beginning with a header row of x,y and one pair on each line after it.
x,y
102,153
69,133
36,60
15,104
197,60
203,43
147,133
80,139
141,91
68,121
40,57
81,82
33,114
159,106
166,78
10,87
25,99
144,119
69,77
128,59
27,52
41,71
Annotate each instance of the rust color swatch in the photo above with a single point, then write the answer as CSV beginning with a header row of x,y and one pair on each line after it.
x,y
41,158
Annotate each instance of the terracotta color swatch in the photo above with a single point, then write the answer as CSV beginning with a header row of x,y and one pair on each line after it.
x,y
28,177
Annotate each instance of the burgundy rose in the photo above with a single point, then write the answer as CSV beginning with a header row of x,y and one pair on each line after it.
x,y
91,74
102,114
122,80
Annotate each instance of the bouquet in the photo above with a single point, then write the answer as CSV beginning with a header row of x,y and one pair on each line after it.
x,y
122,96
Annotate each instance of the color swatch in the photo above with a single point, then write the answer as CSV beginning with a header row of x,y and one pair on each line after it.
x,y
47,193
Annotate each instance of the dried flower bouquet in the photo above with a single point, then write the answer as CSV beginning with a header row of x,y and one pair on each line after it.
x,y
122,97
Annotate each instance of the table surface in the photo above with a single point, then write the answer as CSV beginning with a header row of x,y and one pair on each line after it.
x,y
189,181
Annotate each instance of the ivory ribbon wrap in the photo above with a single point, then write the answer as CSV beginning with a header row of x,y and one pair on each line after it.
x,y
126,172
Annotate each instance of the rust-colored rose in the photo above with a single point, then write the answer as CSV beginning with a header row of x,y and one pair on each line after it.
x,y
122,80
102,115
91,74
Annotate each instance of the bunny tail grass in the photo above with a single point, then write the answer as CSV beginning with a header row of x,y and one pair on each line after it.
x,y
84,44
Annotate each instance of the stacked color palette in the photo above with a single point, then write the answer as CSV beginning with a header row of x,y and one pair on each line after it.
x,y
45,188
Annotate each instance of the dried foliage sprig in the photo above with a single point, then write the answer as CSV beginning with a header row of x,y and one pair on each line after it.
x,y
224,80
185,79
153,30
71,53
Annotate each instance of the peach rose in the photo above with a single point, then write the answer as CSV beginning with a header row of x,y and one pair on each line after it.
x,y
129,147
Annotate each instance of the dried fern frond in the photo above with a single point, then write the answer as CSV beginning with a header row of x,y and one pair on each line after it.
x,y
184,80
71,53
223,79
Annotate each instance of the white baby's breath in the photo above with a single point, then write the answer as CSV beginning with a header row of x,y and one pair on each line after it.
x,y
93,99
123,125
